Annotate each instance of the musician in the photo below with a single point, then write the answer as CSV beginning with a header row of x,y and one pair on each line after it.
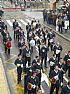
x,y
66,89
20,45
32,83
19,63
50,36
65,66
57,50
43,54
54,78
28,28
28,55
52,63
38,70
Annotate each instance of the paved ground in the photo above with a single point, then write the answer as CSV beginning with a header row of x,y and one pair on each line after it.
x,y
8,61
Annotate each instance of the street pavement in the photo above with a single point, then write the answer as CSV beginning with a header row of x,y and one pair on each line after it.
x,y
23,18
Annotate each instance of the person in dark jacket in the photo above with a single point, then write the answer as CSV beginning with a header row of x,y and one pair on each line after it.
x,y
54,78
43,54
66,89
19,63
57,50
15,24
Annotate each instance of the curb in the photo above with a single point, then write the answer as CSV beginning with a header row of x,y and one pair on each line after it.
x,y
57,32
4,84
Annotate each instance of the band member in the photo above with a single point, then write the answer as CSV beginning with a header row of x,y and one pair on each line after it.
x,y
43,54
32,44
28,28
57,50
52,63
20,45
51,37
32,83
67,62
28,55
54,78
15,24
19,63
38,70
66,89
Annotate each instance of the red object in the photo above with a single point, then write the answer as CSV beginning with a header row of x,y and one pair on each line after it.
x,y
8,45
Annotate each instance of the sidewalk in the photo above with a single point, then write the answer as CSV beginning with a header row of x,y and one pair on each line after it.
x,y
4,89
64,35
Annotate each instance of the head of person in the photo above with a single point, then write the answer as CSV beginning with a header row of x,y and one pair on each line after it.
x,y
34,73
56,68
54,56
15,20
69,53
57,43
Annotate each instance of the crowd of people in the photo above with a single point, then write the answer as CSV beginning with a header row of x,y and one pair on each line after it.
x,y
44,40
61,20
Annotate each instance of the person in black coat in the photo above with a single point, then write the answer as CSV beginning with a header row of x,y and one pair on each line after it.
x,y
15,24
57,50
54,78
51,39
43,55
38,71
20,45
19,63
52,63
66,89
32,83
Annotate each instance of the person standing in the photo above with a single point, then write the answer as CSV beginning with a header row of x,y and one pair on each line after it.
x,y
57,51
32,83
66,89
15,24
54,78
19,63
43,55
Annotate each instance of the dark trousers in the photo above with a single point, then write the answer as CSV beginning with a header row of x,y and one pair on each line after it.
x,y
60,29
28,60
45,61
19,72
65,68
39,78
6,49
17,37
50,45
53,86
58,57
33,91
14,34
20,51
